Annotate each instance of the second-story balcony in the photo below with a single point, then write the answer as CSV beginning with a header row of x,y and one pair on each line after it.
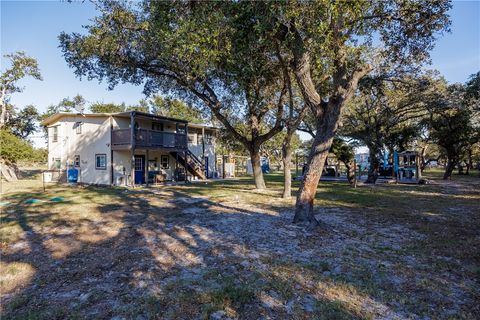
x,y
148,139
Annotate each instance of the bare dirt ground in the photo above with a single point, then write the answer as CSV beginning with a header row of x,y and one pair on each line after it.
x,y
222,250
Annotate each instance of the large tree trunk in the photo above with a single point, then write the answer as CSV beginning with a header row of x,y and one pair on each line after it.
x,y
374,165
257,168
460,169
350,174
449,168
327,115
316,160
469,162
287,160
423,162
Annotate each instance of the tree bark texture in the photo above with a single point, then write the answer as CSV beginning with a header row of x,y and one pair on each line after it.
x,y
449,168
350,173
326,112
374,165
287,160
257,168
326,128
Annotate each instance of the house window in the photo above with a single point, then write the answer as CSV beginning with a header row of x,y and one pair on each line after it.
x,y
78,127
55,134
76,160
100,161
57,163
138,164
208,139
157,126
165,162
152,165
191,139
181,128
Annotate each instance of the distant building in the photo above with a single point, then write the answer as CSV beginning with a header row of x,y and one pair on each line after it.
x,y
362,160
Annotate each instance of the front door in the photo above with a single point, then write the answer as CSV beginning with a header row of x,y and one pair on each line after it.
x,y
139,169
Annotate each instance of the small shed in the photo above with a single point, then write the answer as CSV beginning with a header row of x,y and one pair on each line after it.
x,y
406,166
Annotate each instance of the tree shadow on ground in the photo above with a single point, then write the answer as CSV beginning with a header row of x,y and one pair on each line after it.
x,y
172,255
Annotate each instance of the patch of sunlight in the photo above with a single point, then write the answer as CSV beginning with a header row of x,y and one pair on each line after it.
x,y
432,214
14,275
93,233
170,251
185,236
353,300
60,248
336,203
10,232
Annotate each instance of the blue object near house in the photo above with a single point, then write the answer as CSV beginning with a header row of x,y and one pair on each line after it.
x,y
395,162
32,201
72,175
385,159
265,165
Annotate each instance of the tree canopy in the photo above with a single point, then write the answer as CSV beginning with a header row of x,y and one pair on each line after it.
x,y
21,66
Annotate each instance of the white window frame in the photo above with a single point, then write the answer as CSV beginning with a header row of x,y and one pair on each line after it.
x,y
55,161
78,127
55,134
167,158
104,167
76,160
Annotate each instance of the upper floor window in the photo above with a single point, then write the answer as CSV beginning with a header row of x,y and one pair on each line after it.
x,y
78,127
181,128
208,139
191,139
55,134
157,126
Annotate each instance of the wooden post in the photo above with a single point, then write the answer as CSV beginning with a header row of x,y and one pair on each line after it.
x,y
418,174
176,166
203,145
186,167
132,149
146,168
223,166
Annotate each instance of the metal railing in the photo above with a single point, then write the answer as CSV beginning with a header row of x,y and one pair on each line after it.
x,y
150,139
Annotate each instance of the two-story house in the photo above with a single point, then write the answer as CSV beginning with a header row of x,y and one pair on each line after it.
x,y
129,148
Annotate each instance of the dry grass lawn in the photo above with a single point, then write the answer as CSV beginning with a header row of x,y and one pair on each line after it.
x,y
222,250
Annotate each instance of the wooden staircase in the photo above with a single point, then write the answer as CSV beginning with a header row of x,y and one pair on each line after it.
x,y
193,164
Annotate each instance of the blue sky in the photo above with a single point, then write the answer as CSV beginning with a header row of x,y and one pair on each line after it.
x,y
33,27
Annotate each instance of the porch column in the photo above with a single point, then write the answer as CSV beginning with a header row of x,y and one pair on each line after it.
x,y
203,145
223,166
176,167
132,149
186,167
146,168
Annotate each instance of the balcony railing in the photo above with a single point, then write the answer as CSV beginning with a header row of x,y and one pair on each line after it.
x,y
149,139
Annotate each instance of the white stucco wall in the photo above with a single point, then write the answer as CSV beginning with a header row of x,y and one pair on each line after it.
x,y
93,139
55,149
